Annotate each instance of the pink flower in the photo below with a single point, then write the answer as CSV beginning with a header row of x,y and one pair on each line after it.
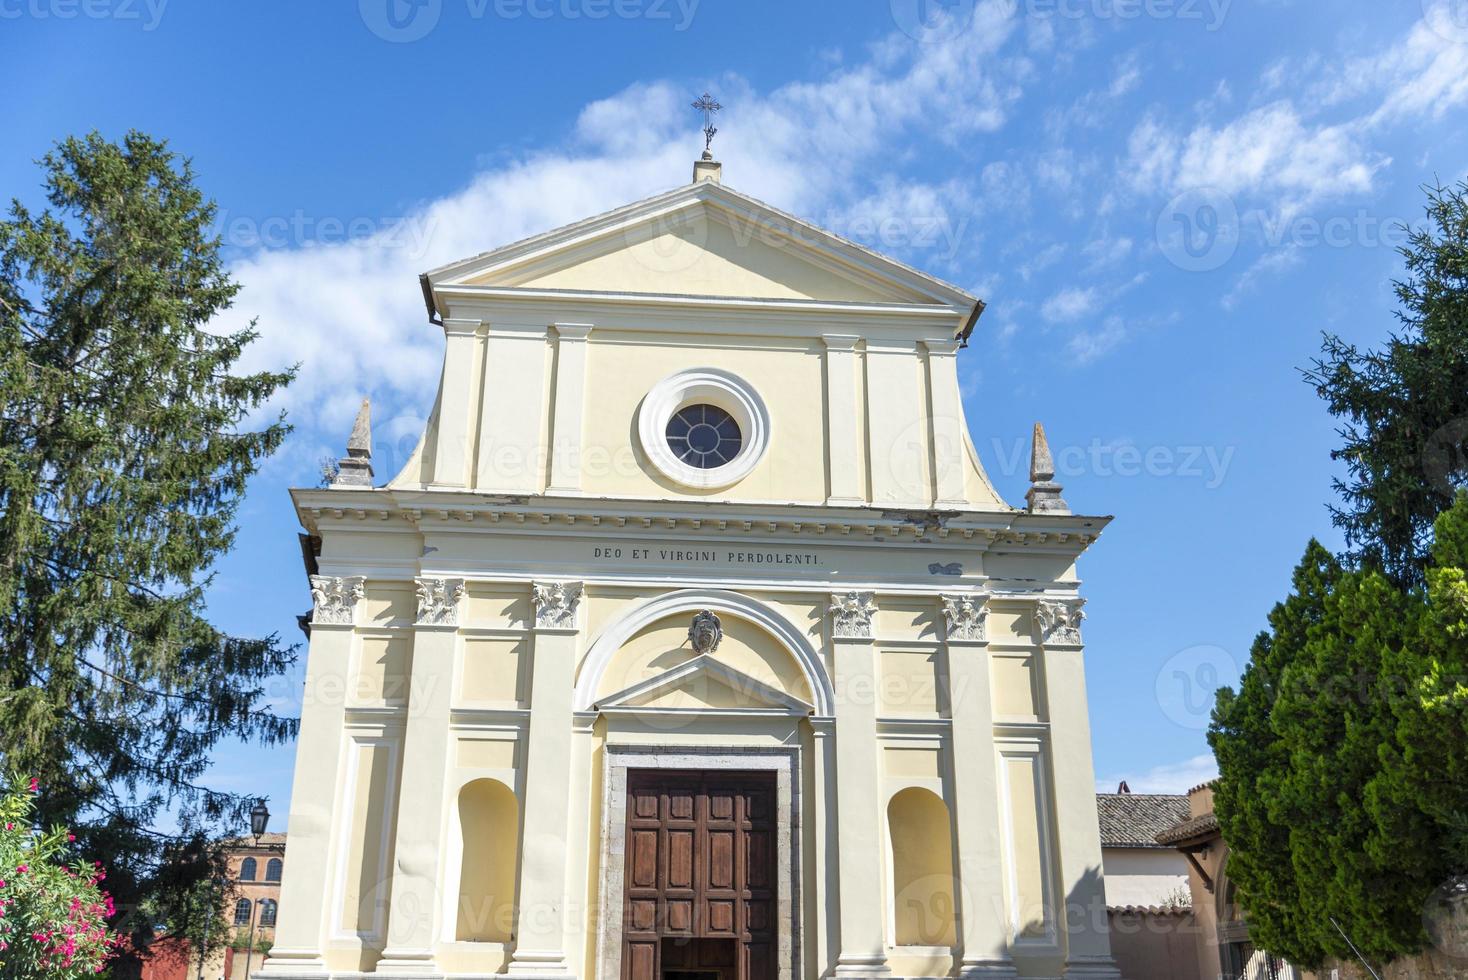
x,y
71,837
35,785
22,868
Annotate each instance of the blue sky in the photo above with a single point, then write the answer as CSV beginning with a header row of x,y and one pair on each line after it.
x,y
1162,201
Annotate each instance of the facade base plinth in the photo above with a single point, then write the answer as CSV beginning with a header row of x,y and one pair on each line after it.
x,y
855,966
417,963
1099,968
539,964
995,969
293,964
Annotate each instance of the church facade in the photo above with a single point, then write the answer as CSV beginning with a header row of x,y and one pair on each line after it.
x,y
693,642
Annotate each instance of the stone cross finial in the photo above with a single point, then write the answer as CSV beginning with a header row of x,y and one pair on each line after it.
x,y
1044,493
355,468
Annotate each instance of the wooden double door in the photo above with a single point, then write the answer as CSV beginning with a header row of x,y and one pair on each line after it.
x,y
700,896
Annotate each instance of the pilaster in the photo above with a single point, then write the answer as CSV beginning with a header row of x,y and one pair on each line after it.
x,y
417,883
846,486
947,419
511,443
301,931
540,924
451,449
982,920
858,821
569,402
1086,934
897,425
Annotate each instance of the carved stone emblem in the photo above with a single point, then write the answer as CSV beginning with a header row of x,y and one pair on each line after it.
x,y
334,598
1059,621
705,633
438,601
851,615
555,603
966,616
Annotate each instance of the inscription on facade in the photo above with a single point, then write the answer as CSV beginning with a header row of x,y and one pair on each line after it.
x,y
703,556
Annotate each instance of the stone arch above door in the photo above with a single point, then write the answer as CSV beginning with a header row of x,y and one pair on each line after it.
x,y
593,683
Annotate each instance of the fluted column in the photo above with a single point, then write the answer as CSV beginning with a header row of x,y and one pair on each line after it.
x,y
984,933
858,820
416,912
1087,939
303,925
540,919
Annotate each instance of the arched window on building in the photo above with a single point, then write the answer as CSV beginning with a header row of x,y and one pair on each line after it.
x,y
489,822
921,838
247,869
242,912
272,869
267,912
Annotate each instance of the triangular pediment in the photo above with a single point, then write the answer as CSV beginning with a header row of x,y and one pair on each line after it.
x,y
704,684
702,240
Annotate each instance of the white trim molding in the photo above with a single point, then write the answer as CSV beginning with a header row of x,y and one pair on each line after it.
x,y
611,639
783,761
710,386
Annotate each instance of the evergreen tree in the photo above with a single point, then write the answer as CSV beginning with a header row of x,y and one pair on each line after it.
x,y
1254,765
1405,408
1425,767
126,442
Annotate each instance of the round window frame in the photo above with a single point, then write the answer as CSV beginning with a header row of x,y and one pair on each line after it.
x,y
706,386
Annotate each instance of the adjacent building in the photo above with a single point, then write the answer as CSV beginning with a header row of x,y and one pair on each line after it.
x,y
693,642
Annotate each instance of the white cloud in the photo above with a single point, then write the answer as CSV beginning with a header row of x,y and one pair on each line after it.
x,y
1069,304
1425,75
1270,264
1087,345
1107,251
351,313
1268,151
1173,777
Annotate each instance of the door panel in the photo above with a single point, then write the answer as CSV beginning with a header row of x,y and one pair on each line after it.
x,y
700,875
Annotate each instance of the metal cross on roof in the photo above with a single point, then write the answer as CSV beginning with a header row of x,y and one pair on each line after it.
x,y
708,105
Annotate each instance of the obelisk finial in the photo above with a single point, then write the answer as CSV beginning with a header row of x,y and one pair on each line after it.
x,y
1044,494
355,468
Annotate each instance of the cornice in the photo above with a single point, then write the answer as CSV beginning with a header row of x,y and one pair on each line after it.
x,y
669,311
439,511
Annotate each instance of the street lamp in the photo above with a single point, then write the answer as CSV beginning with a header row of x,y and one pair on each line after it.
x,y
259,818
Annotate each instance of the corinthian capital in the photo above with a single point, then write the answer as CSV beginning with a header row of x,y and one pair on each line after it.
x,y
1059,620
555,603
851,615
966,617
438,601
334,598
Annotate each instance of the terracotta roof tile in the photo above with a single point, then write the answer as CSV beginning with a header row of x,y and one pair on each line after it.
x,y
1189,829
